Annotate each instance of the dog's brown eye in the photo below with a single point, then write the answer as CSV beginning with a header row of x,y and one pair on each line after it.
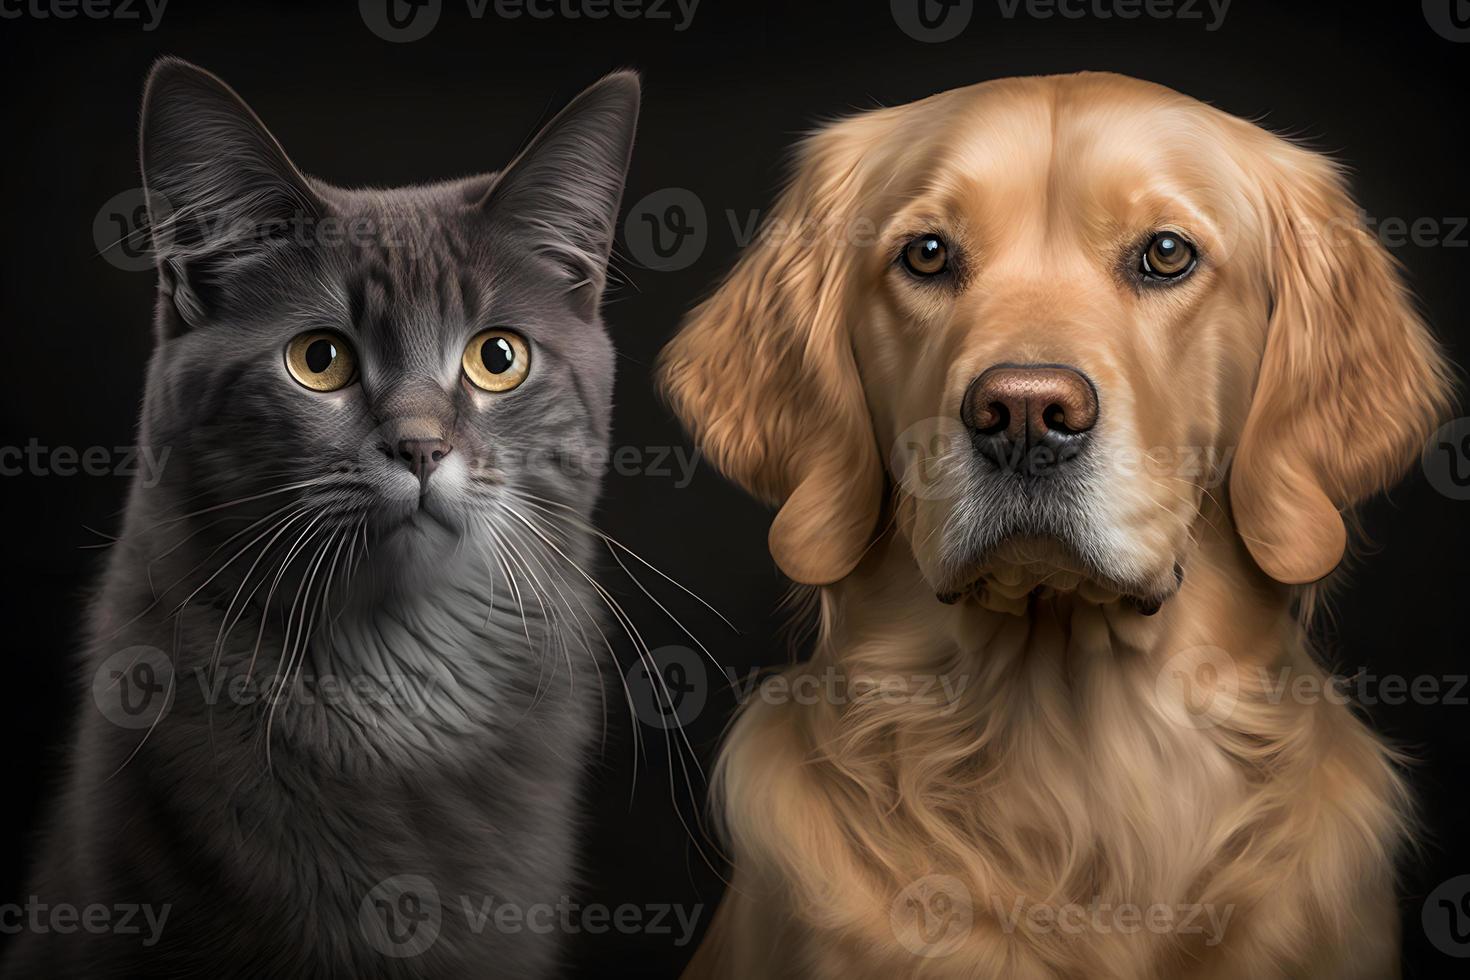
x,y
1168,256
926,255
321,360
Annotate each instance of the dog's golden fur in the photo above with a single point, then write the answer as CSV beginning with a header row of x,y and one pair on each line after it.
x,y
995,829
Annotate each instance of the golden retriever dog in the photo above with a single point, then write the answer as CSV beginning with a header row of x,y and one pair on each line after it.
x,y
987,357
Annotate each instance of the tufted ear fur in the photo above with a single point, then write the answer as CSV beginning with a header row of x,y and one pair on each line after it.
x,y
564,188
222,194
1351,382
764,376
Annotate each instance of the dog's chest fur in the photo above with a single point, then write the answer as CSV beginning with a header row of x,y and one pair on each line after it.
x,y
1055,808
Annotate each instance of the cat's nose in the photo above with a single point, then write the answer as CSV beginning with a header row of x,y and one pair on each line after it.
x,y
423,456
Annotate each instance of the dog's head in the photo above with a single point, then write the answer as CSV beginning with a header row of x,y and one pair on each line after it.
x,y
1046,313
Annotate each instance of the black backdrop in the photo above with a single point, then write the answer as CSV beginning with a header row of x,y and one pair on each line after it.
x,y
724,97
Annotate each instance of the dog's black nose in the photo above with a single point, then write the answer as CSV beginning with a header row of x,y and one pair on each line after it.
x,y
1030,417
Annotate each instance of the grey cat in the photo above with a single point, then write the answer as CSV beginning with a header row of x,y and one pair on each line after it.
x,y
341,676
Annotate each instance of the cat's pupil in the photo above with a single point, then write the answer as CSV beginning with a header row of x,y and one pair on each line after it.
x,y
498,355
319,355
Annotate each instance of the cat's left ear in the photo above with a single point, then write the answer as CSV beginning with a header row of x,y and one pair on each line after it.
x,y
561,194
222,194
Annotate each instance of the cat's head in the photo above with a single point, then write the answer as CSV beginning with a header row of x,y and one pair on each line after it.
x,y
391,365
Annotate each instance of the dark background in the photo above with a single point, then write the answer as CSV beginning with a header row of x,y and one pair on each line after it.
x,y
724,99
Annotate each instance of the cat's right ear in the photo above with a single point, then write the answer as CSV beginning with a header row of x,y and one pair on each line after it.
x,y
220,189
561,194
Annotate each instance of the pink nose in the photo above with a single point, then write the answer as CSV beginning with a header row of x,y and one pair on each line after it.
x,y
422,456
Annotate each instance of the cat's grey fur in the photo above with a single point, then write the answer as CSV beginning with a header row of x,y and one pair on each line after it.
x,y
443,767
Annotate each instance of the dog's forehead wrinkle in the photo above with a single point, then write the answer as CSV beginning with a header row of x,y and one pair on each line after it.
x,y
1050,162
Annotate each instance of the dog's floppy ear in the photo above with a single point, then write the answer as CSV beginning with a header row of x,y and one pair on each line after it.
x,y
763,372
1351,383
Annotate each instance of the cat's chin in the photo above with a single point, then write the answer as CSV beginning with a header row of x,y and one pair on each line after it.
x,y
422,526
412,548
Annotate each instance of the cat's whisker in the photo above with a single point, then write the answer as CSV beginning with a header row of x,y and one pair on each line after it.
x,y
651,597
645,653
177,610
573,515
499,545
226,623
351,573
293,649
571,617
158,596
514,585
306,627
606,643
148,566
596,663
107,542
300,485
545,615
168,693
304,535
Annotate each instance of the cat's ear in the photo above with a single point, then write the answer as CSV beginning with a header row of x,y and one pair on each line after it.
x,y
221,191
561,194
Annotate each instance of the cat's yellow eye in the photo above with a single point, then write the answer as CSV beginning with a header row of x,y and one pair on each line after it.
x,y
321,360
497,360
